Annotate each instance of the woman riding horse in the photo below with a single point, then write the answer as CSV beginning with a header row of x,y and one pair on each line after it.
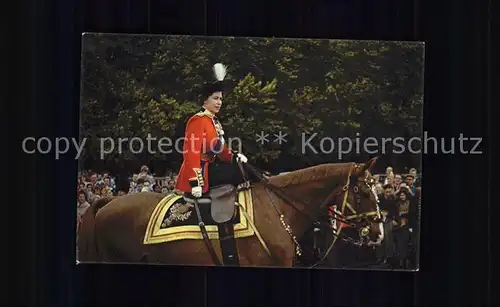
x,y
284,207
203,142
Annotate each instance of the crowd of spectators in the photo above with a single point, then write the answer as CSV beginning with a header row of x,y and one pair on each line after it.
x,y
92,186
399,197
145,182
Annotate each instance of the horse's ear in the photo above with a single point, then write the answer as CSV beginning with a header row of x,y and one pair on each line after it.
x,y
368,165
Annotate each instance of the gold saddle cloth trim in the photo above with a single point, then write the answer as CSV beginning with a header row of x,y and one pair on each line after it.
x,y
155,234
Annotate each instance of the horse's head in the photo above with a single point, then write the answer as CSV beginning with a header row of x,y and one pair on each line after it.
x,y
361,206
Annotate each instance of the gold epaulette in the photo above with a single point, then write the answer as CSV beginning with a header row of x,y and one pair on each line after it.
x,y
204,113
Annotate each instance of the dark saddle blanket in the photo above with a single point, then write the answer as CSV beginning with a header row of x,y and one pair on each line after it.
x,y
217,207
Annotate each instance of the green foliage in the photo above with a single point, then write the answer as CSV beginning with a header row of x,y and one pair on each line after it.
x,y
140,85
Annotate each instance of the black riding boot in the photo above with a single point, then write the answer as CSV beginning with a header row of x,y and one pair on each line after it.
x,y
228,244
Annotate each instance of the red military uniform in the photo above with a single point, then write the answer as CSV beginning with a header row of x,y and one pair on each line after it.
x,y
203,141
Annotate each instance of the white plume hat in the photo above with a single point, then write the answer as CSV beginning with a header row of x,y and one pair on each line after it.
x,y
219,73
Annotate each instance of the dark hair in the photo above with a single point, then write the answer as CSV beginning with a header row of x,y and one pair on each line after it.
x,y
388,186
84,194
210,88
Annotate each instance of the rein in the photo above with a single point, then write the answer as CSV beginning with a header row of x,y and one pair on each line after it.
x,y
340,217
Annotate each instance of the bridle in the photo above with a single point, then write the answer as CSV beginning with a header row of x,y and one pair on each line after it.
x,y
340,216
354,219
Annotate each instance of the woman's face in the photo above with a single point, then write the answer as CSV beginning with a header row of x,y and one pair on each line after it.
x,y
213,102
81,198
402,196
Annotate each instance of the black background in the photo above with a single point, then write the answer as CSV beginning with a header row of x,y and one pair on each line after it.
x,y
455,255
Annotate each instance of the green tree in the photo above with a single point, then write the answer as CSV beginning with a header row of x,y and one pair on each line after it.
x,y
139,85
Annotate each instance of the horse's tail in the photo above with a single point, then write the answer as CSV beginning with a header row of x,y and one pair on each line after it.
x,y
87,244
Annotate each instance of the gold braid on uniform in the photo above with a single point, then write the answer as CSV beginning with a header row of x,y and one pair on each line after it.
x,y
198,179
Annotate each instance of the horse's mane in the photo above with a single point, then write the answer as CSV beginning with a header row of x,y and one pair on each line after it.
x,y
313,173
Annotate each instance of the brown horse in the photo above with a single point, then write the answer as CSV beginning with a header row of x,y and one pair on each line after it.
x,y
114,229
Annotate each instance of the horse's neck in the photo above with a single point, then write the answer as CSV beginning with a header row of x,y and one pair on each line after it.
x,y
299,221
308,210
309,188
